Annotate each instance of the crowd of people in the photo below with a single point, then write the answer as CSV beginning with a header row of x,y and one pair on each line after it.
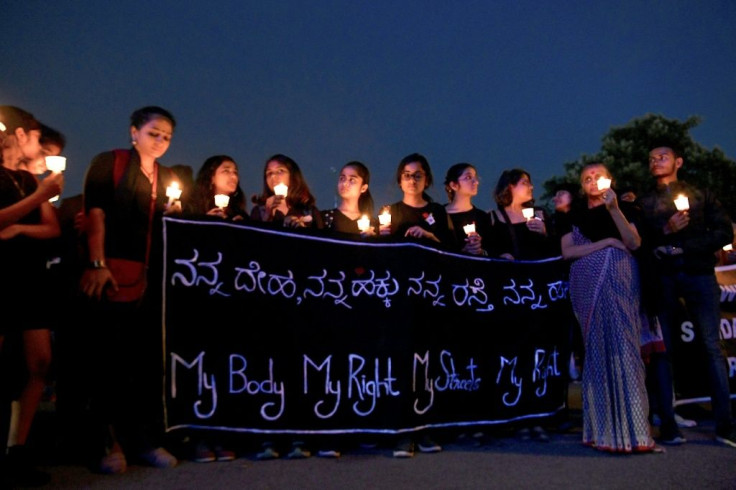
x,y
630,261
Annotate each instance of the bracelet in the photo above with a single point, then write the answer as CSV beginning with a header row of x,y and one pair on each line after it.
x,y
97,264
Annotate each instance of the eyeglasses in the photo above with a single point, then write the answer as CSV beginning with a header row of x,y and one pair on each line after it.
x,y
469,178
277,173
416,176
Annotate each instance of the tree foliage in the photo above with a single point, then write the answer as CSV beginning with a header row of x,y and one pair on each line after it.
x,y
625,151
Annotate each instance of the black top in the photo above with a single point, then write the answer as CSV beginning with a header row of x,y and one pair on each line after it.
x,y
431,217
482,222
522,243
596,223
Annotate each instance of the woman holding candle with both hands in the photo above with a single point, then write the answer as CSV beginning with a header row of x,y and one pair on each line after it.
x,y
599,238
217,190
286,198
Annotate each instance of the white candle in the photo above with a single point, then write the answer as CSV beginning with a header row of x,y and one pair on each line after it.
x,y
528,213
364,223
682,203
280,189
56,164
222,200
603,183
384,218
728,247
54,199
469,229
173,192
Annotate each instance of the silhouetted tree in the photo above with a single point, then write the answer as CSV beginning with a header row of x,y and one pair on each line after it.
x,y
625,150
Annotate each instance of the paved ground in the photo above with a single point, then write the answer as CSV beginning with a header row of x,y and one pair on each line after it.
x,y
502,463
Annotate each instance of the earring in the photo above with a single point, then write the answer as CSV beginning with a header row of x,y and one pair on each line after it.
x,y
134,142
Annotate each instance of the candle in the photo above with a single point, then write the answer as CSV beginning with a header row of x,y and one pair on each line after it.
x,y
364,223
280,189
56,164
528,213
469,229
54,199
173,192
384,218
603,183
222,200
682,203
728,247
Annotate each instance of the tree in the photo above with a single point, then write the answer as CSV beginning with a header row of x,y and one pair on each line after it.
x,y
625,151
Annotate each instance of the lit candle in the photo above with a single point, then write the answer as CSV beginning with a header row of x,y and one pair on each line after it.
x,y
528,213
173,192
56,164
728,247
682,203
222,200
280,189
469,229
54,199
384,218
603,183
364,223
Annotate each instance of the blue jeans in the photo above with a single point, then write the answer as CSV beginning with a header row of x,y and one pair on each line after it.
x,y
702,301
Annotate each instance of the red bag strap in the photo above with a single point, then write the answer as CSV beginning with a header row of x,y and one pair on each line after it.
x,y
122,159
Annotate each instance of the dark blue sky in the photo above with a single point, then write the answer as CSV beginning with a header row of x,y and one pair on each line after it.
x,y
500,84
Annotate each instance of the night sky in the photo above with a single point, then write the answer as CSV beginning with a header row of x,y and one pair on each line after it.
x,y
500,84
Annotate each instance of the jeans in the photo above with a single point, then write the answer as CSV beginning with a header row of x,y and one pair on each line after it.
x,y
702,301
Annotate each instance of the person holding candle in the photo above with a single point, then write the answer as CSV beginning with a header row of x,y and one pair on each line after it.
x,y
472,225
27,223
518,237
293,205
356,203
599,238
124,200
682,244
218,180
417,216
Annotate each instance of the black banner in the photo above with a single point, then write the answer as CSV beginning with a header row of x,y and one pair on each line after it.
x,y
285,332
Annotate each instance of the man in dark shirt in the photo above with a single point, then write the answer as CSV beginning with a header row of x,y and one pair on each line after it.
x,y
683,241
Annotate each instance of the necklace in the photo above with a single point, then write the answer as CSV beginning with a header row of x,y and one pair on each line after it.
x,y
149,175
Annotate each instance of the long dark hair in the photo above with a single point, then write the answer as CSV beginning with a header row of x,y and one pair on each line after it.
x,y
142,116
365,201
452,175
203,197
299,195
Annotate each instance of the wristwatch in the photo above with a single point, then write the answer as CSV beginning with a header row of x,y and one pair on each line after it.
x,y
97,264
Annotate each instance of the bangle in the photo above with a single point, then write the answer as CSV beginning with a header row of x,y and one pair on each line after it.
x,y
97,264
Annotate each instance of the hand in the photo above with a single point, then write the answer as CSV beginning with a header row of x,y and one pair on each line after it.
x,y
173,208
275,203
473,244
616,243
217,212
51,186
369,232
10,231
537,226
94,281
384,230
677,222
610,199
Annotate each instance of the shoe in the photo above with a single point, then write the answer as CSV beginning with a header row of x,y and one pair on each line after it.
x,y
267,452
159,458
113,463
222,454
298,451
328,453
671,436
404,449
20,469
683,422
427,445
728,438
203,454
539,434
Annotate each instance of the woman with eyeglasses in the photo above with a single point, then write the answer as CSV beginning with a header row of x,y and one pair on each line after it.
x,y
417,216
461,186
356,202
286,198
